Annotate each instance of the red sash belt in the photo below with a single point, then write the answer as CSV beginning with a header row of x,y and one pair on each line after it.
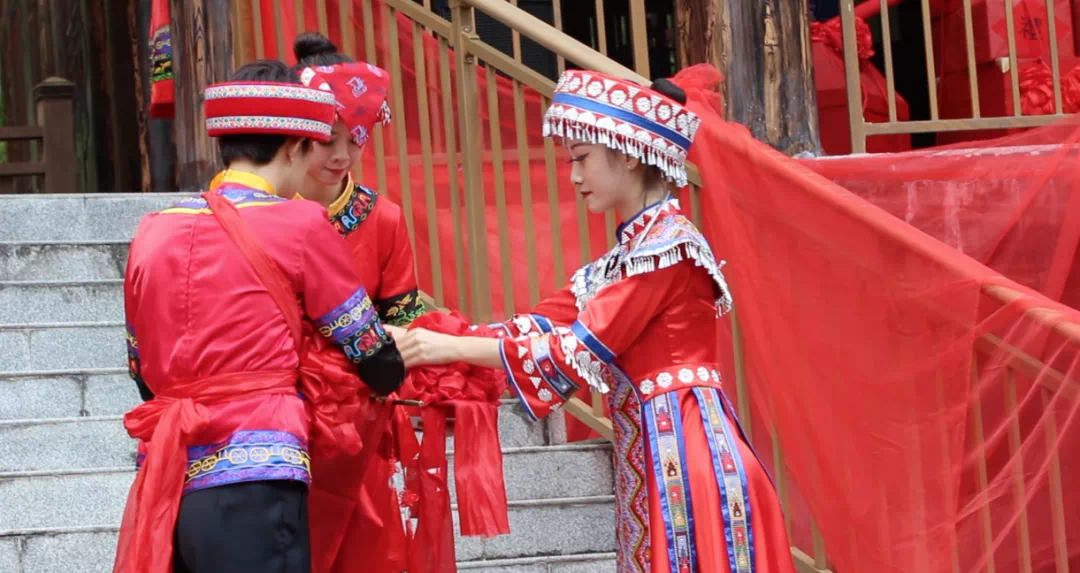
x,y
167,424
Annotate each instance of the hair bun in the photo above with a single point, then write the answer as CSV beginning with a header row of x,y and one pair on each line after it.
x,y
311,44
668,88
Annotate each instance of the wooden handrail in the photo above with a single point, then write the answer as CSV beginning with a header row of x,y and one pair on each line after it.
x,y
546,35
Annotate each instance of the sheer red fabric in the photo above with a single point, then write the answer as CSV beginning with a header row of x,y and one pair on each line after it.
x,y
922,400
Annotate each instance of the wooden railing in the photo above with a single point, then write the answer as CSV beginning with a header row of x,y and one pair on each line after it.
x,y
53,156
861,129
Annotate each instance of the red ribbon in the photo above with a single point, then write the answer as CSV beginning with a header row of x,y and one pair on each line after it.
x,y
471,395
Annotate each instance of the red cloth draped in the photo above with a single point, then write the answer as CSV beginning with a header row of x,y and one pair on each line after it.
x,y
917,394
470,395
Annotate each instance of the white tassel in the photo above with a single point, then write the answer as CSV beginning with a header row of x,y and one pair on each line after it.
x,y
671,162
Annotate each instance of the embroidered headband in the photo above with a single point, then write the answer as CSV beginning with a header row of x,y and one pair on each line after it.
x,y
635,120
360,89
268,108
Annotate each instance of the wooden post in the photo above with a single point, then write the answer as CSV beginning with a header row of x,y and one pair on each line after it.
x,y
53,98
464,21
763,49
202,55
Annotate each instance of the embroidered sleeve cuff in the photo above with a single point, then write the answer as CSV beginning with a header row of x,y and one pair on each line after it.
x,y
402,309
355,327
132,354
540,384
523,325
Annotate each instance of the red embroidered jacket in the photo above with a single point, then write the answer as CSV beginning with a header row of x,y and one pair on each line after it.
x,y
195,308
374,227
642,314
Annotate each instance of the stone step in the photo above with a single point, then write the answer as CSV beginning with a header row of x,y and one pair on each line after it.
x,y
48,498
92,550
50,302
62,261
100,217
96,498
95,442
71,346
66,394
41,397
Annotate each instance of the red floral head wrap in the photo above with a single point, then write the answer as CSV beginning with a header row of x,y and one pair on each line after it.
x,y
361,90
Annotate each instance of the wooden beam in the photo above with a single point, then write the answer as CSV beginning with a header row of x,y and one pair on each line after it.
x,y
202,55
763,49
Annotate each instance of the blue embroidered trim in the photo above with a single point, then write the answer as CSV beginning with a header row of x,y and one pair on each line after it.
x,y
622,226
132,352
664,419
348,317
161,68
355,326
239,195
622,115
514,383
731,479
542,322
591,342
355,211
253,455
549,369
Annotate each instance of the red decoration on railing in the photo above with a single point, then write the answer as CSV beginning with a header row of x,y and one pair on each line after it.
x,y
832,34
1037,90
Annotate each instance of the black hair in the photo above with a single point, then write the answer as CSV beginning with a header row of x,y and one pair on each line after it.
x,y
260,149
668,88
314,49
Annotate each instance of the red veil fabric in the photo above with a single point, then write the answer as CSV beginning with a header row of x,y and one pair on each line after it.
x,y
923,401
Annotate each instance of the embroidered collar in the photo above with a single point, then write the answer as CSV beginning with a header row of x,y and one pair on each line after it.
x,y
338,205
244,179
637,224
351,207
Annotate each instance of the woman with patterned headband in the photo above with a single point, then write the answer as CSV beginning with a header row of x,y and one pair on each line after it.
x,y
639,324
372,224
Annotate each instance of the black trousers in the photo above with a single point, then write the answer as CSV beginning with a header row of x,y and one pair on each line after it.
x,y
259,526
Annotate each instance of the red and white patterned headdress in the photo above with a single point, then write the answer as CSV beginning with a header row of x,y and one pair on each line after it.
x,y
361,90
635,120
268,108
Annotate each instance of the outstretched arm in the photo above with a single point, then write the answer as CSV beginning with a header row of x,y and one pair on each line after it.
x,y
546,368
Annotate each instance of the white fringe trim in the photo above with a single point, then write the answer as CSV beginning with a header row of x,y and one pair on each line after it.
x,y
671,164
648,262
589,367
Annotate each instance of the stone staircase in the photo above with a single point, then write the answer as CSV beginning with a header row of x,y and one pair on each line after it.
x,y
66,462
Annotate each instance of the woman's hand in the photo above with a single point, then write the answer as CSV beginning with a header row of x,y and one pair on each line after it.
x,y
395,331
422,347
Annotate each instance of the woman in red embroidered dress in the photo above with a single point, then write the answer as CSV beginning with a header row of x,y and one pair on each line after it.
x,y
372,224
638,325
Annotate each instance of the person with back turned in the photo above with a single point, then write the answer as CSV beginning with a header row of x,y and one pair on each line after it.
x,y
225,294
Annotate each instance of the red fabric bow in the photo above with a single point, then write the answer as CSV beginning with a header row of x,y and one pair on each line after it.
x,y
360,89
471,395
